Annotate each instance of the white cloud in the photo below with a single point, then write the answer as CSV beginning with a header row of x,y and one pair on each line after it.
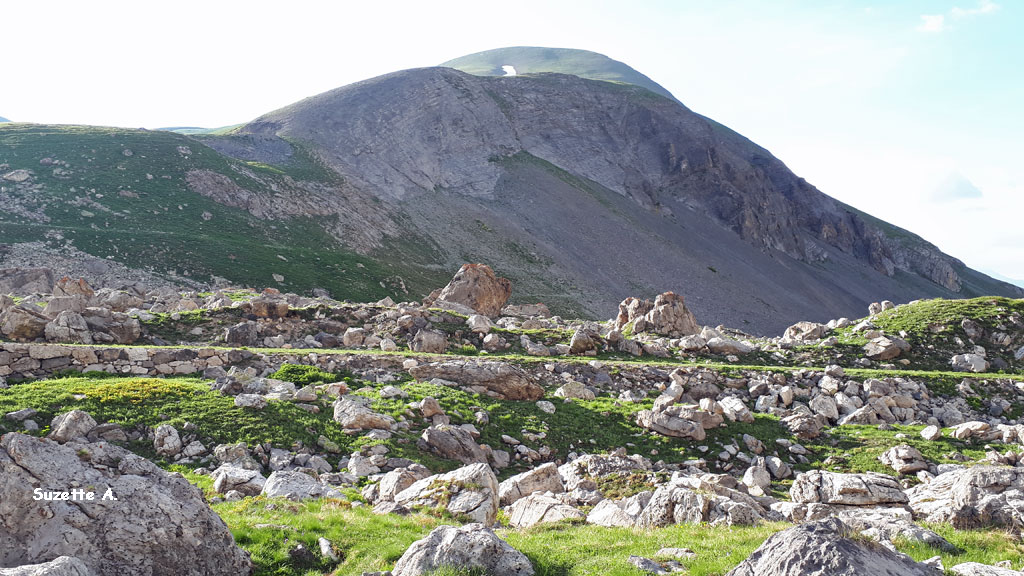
x,y
937,22
932,23
983,7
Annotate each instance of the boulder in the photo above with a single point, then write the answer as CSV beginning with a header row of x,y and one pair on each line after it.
x,y
672,421
68,327
670,317
692,500
399,479
166,440
826,547
498,379
885,348
70,425
241,334
904,459
539,508
969,363
429,342
974,497
473,546
544,478
247,482
728,346
24,281
67,287
867,489
976,569
61,566
471,491
353,413
476,286
452,443
805,331
158,524
296,485
23,323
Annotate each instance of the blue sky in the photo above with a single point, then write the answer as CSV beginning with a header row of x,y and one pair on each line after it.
x,y
908,110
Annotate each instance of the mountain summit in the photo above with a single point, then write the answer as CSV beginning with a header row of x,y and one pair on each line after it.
x,y
537,60
581,191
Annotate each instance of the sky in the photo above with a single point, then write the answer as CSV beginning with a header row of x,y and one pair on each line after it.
x,y
909,110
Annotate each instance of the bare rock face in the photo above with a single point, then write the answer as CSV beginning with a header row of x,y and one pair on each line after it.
x,y
159,525
471,490
23,323
429,342
972,498
470,546
69,327
826,547
692,500
497,379
476,286
867,489
23,281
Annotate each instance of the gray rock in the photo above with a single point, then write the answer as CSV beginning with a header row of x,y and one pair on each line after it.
x,y
353,412
429,342
544,478
471,490
974,497
825,547
296,485
867,489
976,569
167,441
62,566
498,379
71,425
476,286
539,508
969,363
473,546
159,523
452,443
904,459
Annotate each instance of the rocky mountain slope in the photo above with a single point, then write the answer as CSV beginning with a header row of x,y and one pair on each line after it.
x,y
581,191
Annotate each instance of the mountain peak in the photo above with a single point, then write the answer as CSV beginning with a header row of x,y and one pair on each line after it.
x,y
536,60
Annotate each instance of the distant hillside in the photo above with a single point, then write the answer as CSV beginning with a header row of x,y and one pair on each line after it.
x,y
536,60
2,119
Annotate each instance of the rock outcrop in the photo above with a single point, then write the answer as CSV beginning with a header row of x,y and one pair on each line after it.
x,y
826,547
473,546
158,524
476,286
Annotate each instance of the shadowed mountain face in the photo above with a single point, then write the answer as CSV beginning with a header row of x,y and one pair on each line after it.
x,y
581,191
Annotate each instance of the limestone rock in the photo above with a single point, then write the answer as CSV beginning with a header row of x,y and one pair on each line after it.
x,y
69,327
452,443
166,440
62,566
539,508
867,489
473,546
969,363
471,490
159,523
476,286
353,412
825,547
544,478
904,459
498,379
70,425
973,497
296,485
429,342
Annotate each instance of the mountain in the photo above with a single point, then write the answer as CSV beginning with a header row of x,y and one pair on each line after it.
x,y
537,60
582,192
2,119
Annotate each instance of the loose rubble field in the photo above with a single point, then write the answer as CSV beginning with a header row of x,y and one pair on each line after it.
x,y
339,438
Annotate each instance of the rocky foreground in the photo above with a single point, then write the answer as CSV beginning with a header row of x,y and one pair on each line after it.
x,y
406,409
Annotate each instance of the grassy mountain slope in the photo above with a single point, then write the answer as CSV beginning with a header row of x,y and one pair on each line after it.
x,y
124,195
535,60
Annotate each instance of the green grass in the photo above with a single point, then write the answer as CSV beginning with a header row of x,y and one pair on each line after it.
x,y
856,448
302,375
